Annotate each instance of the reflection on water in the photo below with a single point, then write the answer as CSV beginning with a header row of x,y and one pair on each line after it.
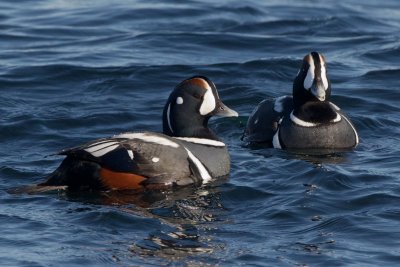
x,y
186,215
314,156
320,156
74,72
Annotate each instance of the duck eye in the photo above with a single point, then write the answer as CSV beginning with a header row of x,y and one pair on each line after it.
x,y
196,95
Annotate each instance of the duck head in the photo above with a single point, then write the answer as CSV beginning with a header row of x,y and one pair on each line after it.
x,y
189,107
312,82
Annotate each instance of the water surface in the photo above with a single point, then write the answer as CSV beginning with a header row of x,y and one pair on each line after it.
x,y
73,71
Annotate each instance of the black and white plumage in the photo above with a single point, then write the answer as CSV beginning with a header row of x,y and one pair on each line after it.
x,y
305,120
187,153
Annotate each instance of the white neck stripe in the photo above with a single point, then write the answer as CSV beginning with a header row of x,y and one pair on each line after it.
x,y
300,122
168,119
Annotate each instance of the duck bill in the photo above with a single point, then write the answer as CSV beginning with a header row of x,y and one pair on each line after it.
x,y
318,91
224,111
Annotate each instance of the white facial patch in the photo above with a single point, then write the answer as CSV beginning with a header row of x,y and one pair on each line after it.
x,y
179,100
202,141
323,73
147,137
308,81
168,119
155,159
208,104
101,148
200,167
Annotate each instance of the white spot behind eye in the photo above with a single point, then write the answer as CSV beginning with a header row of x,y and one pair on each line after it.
x,y
208,104
308,81
179,100
155,159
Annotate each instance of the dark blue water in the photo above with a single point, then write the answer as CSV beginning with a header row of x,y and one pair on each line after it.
x,y
73,71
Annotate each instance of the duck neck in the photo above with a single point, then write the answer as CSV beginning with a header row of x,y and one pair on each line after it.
x,y
315,111
197,132
184,124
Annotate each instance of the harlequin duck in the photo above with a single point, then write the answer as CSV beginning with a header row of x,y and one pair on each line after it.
x,y
306,120
187,153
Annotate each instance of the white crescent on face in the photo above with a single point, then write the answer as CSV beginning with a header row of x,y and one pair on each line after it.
x,y
323,73
209,103
308,81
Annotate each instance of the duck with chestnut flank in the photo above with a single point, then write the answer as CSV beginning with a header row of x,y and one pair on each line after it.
x,y
188,152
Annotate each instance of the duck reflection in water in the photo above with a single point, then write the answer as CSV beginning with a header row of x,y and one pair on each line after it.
x,y
186,216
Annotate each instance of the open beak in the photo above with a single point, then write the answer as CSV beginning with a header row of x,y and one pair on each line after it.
x,y
224,111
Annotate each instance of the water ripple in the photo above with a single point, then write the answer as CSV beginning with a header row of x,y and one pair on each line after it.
x,y
73,71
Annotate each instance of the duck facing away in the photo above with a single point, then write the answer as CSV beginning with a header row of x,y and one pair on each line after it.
x,y
187,153
305,120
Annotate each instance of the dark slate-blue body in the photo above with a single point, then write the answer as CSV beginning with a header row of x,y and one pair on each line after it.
x,y
187,153
306,120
